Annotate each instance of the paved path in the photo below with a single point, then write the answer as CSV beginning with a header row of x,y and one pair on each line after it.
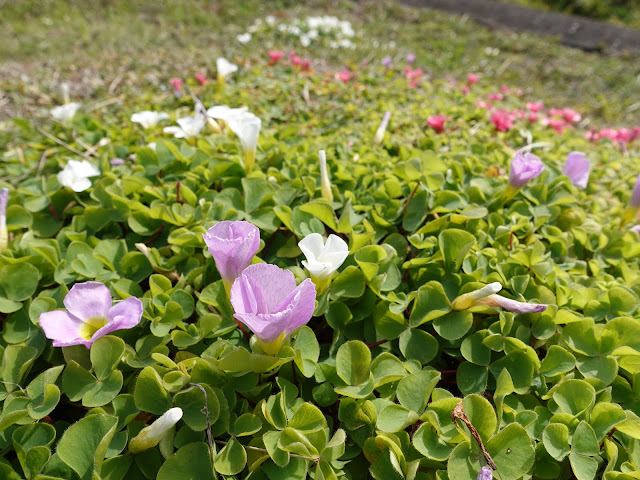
x,y
575,31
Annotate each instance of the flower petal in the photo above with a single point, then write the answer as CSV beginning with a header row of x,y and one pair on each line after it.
x,y
87,300
275,285
312,246
63,328
125,314
295,311
512,305
233,246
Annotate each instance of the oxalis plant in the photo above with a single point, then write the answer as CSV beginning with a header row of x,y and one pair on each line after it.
x,y
411,302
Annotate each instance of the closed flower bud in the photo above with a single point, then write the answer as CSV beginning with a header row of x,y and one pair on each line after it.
x,y
150,436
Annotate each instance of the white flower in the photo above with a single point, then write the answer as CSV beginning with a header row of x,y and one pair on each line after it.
x,y
270,19
223,112
382,128
65,112
305,40
148,119
188,126
325,182
323,259
152,146
244,37
75,175
150,436
225,67
246,126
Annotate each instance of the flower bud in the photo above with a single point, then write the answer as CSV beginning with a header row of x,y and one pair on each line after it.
x,y
150,436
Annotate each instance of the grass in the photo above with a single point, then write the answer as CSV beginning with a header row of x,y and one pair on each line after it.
x,y
115,48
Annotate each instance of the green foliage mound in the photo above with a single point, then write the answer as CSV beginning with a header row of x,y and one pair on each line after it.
x,y
387,380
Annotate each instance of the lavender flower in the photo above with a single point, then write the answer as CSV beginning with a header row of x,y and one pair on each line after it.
x,y
524,167
511,305
150,436
487,296
233,245
266,299
577,168
4,234
485,473
386,61
635,195
89,316
411,58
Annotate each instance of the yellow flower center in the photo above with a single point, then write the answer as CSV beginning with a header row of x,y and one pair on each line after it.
x,y
91,326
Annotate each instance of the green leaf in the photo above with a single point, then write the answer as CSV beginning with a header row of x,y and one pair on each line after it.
x,y
574,396
149,394
369,259
232,459
427,441
19,280
481,415
453,325
181,465
246,424
307,351
349,283
431,302
605,416
16,362
191,401
394,418
414,390
555,438
84,444
557,360
512,451
106,353
418,345
584,468
454,245
584,440
474,351
353,362
102,392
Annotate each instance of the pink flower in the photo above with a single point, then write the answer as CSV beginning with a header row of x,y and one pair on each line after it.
x,y
535,106
295,60
201,78
465,89
556,112
275,56
570,115
592,135
532,117
558,124
411,74
89,315
483,104
495,97
266,299
502,120
610,133
504,89
386,61
344,76
437,122
233,246
472,78
176,83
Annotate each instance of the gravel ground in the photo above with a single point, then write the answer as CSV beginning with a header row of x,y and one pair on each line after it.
x,y
573,30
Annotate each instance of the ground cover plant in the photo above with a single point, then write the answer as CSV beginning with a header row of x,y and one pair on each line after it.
x,y
280,267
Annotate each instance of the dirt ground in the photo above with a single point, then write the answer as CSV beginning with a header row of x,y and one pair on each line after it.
x,y
573,30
